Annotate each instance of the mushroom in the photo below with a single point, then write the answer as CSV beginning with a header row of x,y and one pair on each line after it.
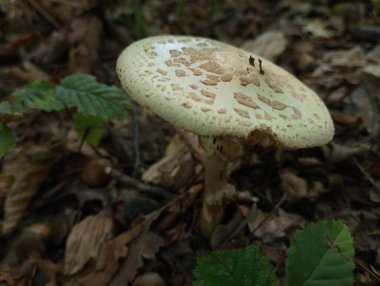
x,y
228,97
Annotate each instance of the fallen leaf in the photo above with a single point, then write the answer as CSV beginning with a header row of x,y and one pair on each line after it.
x,y
276,225
354,57
174,170
29,168
269,45
49,50
335,152
318,29
145,246
28,72
374,55
109,259
86,240
223,231
366,106
293,185
149,279
345,119
85,40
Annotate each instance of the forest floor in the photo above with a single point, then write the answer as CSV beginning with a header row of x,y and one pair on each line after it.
x,y
74,214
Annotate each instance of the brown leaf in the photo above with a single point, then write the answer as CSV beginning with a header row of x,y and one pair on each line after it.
x,y
149,279
345,119
318,28
335,152
294,186
223,231
269,45
8,275
276,226
28,72
354,57
39,271
85,39
63,11
144,246
49,50
86,240
174,170
109,258
26,172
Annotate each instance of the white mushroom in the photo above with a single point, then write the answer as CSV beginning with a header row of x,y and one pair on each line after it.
x,y
228,97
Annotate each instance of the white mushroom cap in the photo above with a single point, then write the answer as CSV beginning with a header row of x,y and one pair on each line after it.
x,y
214,89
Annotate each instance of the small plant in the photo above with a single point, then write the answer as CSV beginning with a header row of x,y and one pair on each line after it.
x,y
320,254
94,103
234,267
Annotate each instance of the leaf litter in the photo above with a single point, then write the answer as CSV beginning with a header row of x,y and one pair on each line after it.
x,y
74,214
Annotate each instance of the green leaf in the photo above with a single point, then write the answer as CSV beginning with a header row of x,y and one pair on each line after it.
x,y
89,126
234,267
37,95
321,254
92,98
7,141
5,107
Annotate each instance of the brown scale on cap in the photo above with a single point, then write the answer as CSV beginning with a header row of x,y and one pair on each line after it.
x,y
238,90
272,103
162,72
196,72
209,82
208,94
175,53
180,73
212,67
245,100
226,77
242,112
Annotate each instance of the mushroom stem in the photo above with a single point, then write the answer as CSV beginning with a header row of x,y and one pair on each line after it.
x,y
219,152
216,188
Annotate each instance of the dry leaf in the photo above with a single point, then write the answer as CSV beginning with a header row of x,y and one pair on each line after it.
x,y
109,258
85,241
335,153
223,231
64,11
149,279
374,55
145,246
269,45
28,72
50,50
294,186
354,57
345,119
174,170
85,39
318,28
367,108
28,170
276,226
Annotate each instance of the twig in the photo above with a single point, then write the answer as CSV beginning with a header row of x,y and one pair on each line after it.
x,y
148,189
275,208
136,140
245,221
368,176
360,264
44,13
